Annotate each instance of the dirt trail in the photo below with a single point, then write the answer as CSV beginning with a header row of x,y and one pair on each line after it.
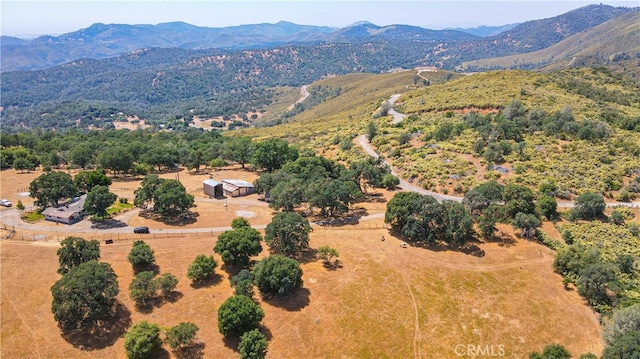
x,y
397,118
303,96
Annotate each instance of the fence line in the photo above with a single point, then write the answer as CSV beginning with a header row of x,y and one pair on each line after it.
x,y
113,237
353,227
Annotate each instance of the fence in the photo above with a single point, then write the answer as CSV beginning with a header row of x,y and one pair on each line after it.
x,y
104,237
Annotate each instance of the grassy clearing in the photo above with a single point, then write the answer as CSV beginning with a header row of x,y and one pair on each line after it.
x,y
119,207
32,216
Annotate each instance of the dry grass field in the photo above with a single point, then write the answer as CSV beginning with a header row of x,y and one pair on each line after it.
x,y
384,301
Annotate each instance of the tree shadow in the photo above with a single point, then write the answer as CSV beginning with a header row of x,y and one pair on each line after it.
x,y
292,302
107,224
375,197
332,266
469,248
103,335
194,351
307,255
161,353
173,297
178,220
158,301
147,268
232,342
266,332
233,270
207,282
503,240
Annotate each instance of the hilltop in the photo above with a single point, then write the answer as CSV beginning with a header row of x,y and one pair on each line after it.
x,y
610,42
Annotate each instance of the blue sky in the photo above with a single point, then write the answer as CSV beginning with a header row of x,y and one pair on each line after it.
x,y
29,18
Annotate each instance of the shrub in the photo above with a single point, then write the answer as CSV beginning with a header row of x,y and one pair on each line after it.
x,y
202,268
277,275
142,340
253,345
239,314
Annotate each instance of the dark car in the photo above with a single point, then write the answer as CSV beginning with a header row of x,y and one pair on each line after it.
x,y
141,230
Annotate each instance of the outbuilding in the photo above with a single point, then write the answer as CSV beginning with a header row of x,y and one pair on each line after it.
x,y
236,188
213,188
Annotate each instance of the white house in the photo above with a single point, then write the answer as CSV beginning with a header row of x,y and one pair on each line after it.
x,y
70,213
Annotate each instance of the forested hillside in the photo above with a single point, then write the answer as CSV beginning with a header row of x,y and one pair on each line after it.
x,y
163,86
612,42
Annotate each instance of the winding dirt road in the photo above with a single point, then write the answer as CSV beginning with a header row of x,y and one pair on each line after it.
x,y
397,118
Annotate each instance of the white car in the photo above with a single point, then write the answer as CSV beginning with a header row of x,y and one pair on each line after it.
x,y
5,203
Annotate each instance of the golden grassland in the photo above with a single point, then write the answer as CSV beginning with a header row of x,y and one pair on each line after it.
x,y
383,301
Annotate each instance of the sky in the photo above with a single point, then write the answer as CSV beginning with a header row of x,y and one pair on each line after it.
x,y
32,18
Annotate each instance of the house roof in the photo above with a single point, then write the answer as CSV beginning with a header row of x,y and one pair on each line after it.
x,y
238,183
68,210
211,182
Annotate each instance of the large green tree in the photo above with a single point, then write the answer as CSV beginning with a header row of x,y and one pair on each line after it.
x,y
115,158
278,275
400,208
85,296
624,346
288,233
74,251
171,198
49,188
144,193
597,283
422,218
99,199
333,196
588,205
527,224
142,341
81,156
239,149
238,245
86,180
518,199
239,314
273,153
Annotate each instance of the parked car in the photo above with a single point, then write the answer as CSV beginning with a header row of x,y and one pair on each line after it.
x,y
5,203
141,230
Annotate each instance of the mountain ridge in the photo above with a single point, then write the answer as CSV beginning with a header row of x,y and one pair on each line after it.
x,y
444,48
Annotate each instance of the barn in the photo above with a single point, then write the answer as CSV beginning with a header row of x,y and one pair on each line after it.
x,y
237,188
213,188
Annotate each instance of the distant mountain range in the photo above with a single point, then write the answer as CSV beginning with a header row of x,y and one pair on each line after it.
x,y
101,41
157,82
486,30
447,47
612,41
